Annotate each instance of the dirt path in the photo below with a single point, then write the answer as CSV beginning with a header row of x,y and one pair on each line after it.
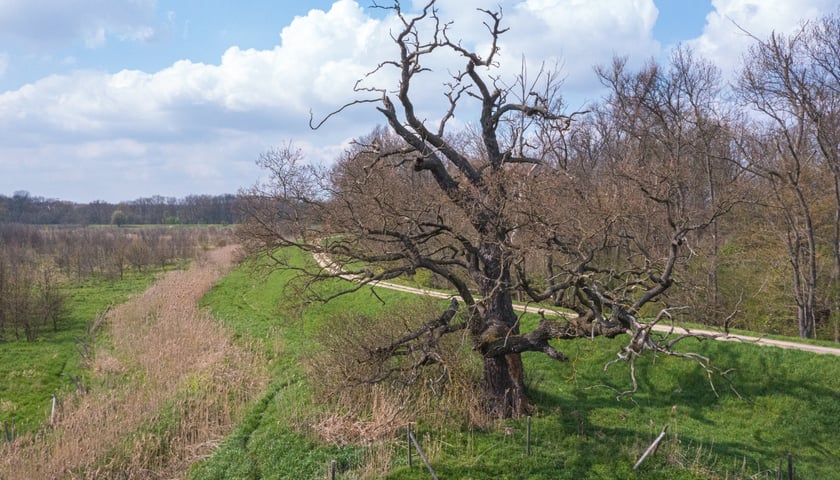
x,y
165,391
325,263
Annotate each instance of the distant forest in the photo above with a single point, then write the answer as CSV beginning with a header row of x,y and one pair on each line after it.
x,y
24,208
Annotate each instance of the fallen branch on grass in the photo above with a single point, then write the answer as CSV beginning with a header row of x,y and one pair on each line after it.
x,y
652,447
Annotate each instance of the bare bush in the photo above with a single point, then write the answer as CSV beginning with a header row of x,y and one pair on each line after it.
x,y
378,391
36,263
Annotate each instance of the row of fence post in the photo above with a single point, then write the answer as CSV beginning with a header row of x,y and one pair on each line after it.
x,y
9,433
413,445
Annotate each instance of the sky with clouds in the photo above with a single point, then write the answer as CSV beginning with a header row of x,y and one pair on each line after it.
x,y
120,99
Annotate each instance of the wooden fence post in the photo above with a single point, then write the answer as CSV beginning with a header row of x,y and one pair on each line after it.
x,y
652,447
52,410
408,444
528,440
422,456
332,470
790,466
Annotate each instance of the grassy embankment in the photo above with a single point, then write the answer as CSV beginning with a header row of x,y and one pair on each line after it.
x,y
788,403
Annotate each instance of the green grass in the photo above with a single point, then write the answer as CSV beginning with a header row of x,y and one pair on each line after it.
x,y
788,403
255,306
581,431
31,372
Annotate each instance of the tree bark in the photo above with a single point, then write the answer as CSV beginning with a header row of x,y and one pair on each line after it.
x,y
503,383
504,386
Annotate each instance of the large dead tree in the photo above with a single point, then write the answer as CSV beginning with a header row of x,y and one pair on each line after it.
x,y
494,211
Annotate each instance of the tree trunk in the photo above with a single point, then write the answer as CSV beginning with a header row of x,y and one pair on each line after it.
x,y
835,249
502,381
503,386
810,330
803,259
805,314
714,284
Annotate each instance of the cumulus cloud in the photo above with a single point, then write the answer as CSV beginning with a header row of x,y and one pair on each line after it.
x,y
316,64
732,24
47,23
581,31
199,120
314,67
197,127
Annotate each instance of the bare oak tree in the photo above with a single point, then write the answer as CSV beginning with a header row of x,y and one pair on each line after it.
x,y
793,83
495,211
667,131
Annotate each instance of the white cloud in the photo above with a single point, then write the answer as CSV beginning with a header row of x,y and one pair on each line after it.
x,y
729,28
197,125
196,128
315,67
581,34
320,58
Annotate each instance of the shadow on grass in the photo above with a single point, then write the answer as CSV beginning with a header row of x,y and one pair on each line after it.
x,y
786,402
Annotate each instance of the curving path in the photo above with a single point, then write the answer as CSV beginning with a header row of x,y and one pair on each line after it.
x,y
328,265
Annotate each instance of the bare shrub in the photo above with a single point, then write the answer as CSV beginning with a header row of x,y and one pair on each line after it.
x,y
373,396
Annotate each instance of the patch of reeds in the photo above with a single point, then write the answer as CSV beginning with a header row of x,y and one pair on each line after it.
x,y
166,388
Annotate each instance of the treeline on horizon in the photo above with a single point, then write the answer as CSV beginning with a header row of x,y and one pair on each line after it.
x,y
23,208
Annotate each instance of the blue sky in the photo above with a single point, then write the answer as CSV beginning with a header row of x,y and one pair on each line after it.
x,y
119,99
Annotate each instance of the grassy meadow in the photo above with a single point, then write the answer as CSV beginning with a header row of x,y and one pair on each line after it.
x,y
778,402
165,384
247,400
31,372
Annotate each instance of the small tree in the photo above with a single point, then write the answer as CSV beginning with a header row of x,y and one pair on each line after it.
x,y
119,218
50,300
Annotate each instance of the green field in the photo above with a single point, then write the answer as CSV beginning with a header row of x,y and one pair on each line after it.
x,y
31,372
786,402
778,402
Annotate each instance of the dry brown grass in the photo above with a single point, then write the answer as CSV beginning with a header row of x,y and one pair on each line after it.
x,y
375,414
171,384
378,415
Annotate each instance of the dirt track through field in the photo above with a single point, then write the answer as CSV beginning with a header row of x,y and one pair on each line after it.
x,y
169,386
327,264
